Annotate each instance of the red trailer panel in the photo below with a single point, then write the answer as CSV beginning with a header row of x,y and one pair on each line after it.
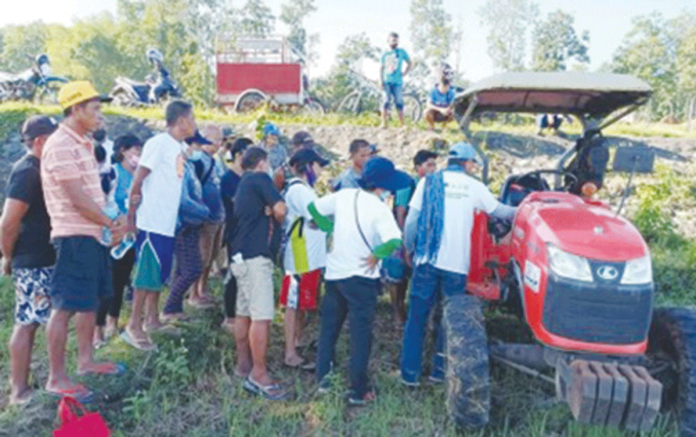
x,y
269,78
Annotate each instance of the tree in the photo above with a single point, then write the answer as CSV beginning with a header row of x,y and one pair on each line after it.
x,y
508,22
256,19
433,37
293,14
556,43
21,44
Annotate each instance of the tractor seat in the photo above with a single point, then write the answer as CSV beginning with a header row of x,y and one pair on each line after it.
x,y
516,188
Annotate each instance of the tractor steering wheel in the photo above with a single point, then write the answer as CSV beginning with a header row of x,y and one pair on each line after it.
x,y
541,185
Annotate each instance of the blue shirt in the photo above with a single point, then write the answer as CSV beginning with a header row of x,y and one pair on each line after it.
x,y
211,186
348,179
392,62
123,184
441,100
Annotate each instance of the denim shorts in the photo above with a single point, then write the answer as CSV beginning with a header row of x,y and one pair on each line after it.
x,y
395,92
82,274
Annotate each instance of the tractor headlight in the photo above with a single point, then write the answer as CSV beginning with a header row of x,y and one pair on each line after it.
x,y
638,271
568,265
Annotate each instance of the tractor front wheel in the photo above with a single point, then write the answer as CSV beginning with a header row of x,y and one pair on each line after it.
x,y
672,356
468,379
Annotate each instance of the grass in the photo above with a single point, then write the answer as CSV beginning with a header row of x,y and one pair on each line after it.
x,y
187,387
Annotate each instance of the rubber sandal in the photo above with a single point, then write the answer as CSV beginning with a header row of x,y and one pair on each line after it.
x,y
201,305
303,365
81,393
272,392
355,402
115,369
142,345
239,374
163,329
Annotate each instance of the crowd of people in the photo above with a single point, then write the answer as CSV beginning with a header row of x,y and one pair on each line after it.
x,y
86,218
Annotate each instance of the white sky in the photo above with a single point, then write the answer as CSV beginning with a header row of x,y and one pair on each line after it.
x,y
607,20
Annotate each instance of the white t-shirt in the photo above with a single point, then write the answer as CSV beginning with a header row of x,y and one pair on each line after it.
x,y
463,196
164,157
297,198
349,250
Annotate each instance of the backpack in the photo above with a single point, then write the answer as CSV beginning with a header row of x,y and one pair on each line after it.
x,y
296,226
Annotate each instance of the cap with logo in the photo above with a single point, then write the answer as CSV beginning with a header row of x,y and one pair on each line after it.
x,y
464,151
74,93
38,125
306,156
379,172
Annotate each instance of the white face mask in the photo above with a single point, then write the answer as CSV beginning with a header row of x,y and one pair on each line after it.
x,y
133,161
384,195
46,70
228,156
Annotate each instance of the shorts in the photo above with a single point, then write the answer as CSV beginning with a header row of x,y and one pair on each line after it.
x,y
395,92
394,269
32,301
153,263
438,116
82,274
300,291
254,288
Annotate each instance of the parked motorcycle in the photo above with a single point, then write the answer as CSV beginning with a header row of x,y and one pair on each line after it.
x,y
34,84
157,87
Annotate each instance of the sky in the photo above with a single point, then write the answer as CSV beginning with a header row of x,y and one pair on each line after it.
x,y
606,20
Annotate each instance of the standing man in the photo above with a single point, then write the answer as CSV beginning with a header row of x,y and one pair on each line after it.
x,y
258,209
27,252
391,78
438,230
360,151
364,232
155,195
75,203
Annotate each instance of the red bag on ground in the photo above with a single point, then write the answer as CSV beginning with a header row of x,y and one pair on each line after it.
x,y
75,421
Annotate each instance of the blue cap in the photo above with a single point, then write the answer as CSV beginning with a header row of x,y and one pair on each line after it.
x,y
270,129
379,172
306,156
464,151
197,138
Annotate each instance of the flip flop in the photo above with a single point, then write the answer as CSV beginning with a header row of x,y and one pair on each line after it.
x,y
272,392
114,369
239,374
304,365
165,328
80,393
201,305
355,402
142,345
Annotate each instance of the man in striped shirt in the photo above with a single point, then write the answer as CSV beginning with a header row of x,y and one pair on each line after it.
x,y
75,203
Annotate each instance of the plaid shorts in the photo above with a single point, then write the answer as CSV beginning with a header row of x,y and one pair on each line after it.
x,y
32,304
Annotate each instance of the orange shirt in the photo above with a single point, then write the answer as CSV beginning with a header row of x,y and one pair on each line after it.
x,y
69,156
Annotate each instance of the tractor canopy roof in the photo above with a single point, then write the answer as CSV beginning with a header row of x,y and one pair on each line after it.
x,y
587,95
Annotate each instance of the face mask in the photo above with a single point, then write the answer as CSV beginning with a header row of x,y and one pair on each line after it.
x,y
228,156
196,155
384,195
133,161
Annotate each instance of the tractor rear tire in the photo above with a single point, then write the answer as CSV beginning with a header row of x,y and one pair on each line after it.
x,y
672,340
466,349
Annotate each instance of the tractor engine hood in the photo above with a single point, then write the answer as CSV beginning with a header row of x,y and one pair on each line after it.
x,y
581,227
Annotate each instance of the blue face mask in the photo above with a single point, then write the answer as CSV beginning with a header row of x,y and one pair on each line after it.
x,y
196,155
384,195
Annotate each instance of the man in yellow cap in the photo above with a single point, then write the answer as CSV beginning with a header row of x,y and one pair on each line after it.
x,y
75,204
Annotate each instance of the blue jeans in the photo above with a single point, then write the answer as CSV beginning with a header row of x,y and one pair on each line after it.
x,y
393,91
430,287
356,298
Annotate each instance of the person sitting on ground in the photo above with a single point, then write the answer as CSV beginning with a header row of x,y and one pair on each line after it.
x,y
364,232
211,231
360,151
127,149
438,235
439,108
193,212
156,196
27,252
228,189
75,203
305,252
258,209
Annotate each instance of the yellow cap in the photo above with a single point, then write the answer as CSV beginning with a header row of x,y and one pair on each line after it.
x,y
73,93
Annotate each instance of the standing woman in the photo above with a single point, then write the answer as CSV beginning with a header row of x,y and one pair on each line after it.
x,y
117,183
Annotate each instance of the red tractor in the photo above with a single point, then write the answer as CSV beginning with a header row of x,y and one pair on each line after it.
x,y
578,274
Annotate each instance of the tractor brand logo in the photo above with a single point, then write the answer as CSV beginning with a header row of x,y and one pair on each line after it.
x,y
532,276
608,273
598,230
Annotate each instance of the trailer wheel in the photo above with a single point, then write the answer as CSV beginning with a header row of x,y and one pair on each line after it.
x,y
672,355
468,379
413,110
350,105
312,106
249,101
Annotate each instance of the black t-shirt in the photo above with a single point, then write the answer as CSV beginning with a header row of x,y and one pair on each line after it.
x,y
254,233
33,248
228,189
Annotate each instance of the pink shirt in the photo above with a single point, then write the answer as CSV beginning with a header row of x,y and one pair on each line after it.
x,y
69,156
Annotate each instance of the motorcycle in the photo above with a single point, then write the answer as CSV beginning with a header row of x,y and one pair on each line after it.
x,y
128,92
33,84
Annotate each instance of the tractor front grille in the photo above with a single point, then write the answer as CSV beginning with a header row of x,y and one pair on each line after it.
x,y
598,312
